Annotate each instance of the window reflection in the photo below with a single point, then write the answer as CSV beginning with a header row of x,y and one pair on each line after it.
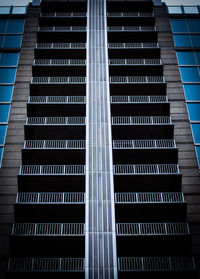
x,y
4,10
15,26
186,58
4,113
179,26
174,10
7,75
190,74
192,92
193,25
196,132
1,155
3,129
190,10
6,94
195,40
182,40
194,111
198,154
3,25
9,59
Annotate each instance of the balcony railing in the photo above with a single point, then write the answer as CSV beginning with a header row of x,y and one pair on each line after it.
x,y
54,144
48,229
144,144
55,121
133,45
141,120
146,169
150,197
57,100
50,198
52,170
156,264
152,229
130,14
62,28
135,62
138,99
137,79
58,80
61,45
61,14
131,28
59,62
46,264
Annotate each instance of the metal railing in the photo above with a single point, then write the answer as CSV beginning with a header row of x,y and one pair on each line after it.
x,y
61,45
130,14
146,169
62,28
57,80
141,120
156,264
57,100
137,79
152,229
52,170
54,144
131,28
138,99
46,264
150,197
63,14
50,198
55,121
133,45
48,229
59,62
135,62
144,144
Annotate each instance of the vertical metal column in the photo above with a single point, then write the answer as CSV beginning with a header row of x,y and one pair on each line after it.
x,y
100,257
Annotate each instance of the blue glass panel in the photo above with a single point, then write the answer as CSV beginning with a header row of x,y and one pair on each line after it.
x,y
6,93
1,155
15,26
174,10
4,10
9,59
192,92
3,129
7,75
13,41
3,24
198,154
1,40
191,10
4,113
182,41
190,74
196,132
186,58
193,25
178,25
19,10
197,54
194,111
195,40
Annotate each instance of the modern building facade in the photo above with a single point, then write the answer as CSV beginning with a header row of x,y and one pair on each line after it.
x,y
108,185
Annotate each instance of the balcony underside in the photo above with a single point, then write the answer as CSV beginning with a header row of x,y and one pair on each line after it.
x,y
129,6
61,37
140,70
124,53
137,88
60,53
130,21
61,6
62,21
59,70
132,36
157,274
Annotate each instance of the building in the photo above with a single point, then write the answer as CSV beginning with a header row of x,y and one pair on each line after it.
x,y
107,185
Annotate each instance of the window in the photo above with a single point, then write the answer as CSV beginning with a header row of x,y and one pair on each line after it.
x,y
182,41
198,154
4,113
3,25
186,58
4,10
193,25
7,75
6,94
192,92
174,10
195,40
9,59
15,26
1,155
179,26
19,10
194,111
3,129
190,74
196,132
197,54
12,41
191,10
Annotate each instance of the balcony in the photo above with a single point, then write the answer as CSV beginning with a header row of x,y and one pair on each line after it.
x,y
51,178
133,105
130,34
64,86
158,267
133,50
64,106
130,18
126,67
55,151
146,85
142,127
61,34
51,267
129,6
150,207
147,177
153,239
34,240
50,207
60,50
145,151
